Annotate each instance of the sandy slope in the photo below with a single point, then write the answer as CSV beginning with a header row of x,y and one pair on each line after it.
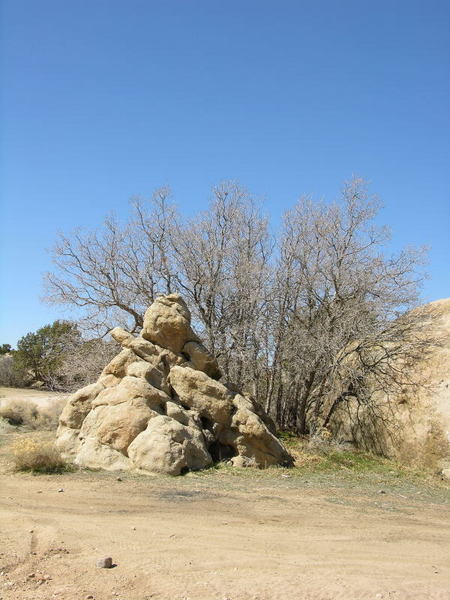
x,y
217,536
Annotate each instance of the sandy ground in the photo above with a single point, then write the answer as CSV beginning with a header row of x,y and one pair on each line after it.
x,y
222,535
42,398
216,537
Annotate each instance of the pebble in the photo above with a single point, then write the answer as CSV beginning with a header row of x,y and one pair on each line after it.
x,y
381,492
60,490
119,479
105,563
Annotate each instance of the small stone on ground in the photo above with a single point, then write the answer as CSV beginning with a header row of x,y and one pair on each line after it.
x,y
105,563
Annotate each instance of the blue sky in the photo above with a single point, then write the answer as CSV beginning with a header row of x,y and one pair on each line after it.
x,y
103,100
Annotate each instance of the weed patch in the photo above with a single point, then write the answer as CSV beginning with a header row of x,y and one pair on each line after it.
x,y
37,456
25,413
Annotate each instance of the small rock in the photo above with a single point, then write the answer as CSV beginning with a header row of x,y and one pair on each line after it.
x,y
381,492
39,492
90,597
119,479
133,528
31,575
60,490
105,563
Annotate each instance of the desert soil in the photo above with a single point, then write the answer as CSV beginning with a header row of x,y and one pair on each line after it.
x,y
223,534
42,398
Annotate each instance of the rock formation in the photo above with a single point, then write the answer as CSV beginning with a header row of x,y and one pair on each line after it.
x,y
411,425
158,406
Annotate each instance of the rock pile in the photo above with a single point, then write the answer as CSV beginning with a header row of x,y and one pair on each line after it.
x,y
158,406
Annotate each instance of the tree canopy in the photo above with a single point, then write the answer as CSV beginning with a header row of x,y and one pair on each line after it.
x,y
42,352
290,315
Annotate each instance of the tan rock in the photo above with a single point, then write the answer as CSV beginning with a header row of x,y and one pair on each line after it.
x,y
129,388
183,416
119,363
253,439
67,442
122,423
152,374
202,360
94,455
196,390
169,447
109,380
157,406
152,353
122,336
140,388
116,425
79,405
111,396
168,323
411,424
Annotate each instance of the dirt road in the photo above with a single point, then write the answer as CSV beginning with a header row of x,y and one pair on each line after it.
x,y
220,536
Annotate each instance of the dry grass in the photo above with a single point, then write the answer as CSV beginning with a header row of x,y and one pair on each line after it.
x,y
25,413
37,455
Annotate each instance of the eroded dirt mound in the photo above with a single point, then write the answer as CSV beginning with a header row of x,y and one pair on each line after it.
x,y
159,407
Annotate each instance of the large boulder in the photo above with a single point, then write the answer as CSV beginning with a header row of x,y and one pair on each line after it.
x,y
168,446
411,423
167,323
158,406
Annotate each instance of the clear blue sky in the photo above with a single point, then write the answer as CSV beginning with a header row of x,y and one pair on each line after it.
x,y
106,99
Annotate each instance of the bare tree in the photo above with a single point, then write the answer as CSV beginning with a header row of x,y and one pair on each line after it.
x,y
300,321
222,264
82,363
338,301
112,275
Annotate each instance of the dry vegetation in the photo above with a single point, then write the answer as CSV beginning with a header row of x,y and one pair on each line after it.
x,y
282,313
27,435
32,453
27,429
25,413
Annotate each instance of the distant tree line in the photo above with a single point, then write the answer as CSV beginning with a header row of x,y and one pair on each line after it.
x,y
55,356
293,316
